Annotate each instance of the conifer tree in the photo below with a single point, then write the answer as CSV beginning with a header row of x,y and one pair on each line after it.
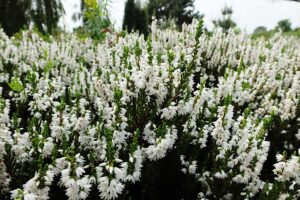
x,y
135,18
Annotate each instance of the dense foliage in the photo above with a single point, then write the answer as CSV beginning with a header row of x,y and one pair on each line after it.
x,y
116,120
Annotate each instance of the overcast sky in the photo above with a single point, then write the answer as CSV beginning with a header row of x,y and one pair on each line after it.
x,y
248,14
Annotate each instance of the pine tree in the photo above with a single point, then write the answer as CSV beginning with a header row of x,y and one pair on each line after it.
x,y
135,18
129,18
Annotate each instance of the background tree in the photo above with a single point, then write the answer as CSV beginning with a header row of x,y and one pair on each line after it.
x,y
297,29
285,25
260,30
135,18
46,14
226,21
182,11
14,15
96,18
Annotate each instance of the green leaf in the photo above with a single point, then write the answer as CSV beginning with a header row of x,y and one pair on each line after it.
x,y
2,103
278,77
199,30
49,65
245,85
16,85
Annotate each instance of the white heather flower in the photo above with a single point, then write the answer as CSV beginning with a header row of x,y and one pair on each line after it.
x,y
48,147
159,149
16,193
221,175
110,189
79,171
283,196
73,191
31,197
85,187
32,191
169,112
137,159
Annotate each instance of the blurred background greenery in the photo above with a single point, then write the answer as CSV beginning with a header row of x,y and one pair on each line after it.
x,y
43,16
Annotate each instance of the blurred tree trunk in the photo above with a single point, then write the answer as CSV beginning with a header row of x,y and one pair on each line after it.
x,y
46,14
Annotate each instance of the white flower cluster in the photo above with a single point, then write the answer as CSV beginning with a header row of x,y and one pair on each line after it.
x,y
288,172
84,115
5,138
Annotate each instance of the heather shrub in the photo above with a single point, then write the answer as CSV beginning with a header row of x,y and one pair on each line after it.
x,y
180,115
